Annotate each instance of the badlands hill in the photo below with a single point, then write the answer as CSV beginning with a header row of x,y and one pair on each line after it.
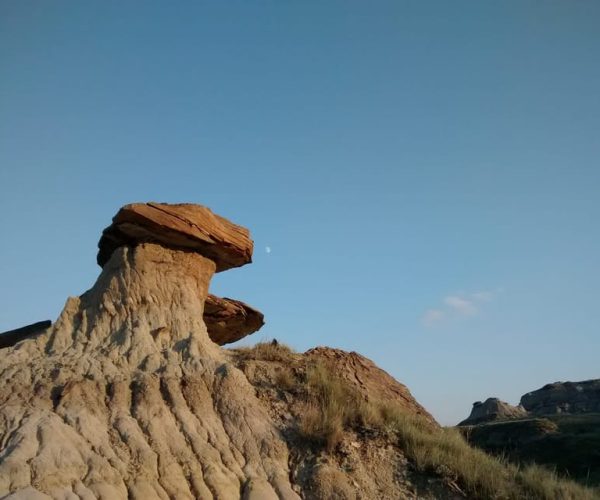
x,y
130,394
557,425
558,398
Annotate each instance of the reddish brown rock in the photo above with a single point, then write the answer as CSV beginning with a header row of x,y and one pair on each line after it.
x,y
229,320
369,380
181,227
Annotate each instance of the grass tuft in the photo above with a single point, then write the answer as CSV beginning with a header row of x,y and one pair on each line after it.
x,y
285,380
266,351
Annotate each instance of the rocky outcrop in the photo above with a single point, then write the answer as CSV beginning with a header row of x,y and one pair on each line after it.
x,y
181,226
229,320
492,409
125,396
10,338
564,397
368,379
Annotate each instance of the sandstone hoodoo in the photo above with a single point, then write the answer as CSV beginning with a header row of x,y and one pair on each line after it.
x,y
126,396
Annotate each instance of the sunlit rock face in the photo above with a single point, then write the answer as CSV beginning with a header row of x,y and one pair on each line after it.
x,y
229,320
126,395
183,226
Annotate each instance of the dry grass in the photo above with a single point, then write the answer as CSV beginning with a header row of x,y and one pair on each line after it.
x,y
284,379
266,351
479,474
332,407
568,443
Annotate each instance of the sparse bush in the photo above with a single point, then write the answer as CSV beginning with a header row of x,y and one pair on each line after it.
x,y
327,407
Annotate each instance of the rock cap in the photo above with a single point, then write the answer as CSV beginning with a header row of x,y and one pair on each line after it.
x,y
228,320
183,226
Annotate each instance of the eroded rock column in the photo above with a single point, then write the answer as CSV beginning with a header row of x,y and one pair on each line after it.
x,y
125,396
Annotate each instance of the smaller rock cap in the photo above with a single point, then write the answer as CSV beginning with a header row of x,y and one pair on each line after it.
x,y
228,320
180,226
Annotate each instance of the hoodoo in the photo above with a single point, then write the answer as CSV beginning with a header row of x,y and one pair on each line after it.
x,y
126,396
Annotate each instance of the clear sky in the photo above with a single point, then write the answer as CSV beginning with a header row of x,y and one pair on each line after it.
x,y
426,175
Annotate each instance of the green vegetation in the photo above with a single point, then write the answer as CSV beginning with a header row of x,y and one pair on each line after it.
x,y
333,407
570,444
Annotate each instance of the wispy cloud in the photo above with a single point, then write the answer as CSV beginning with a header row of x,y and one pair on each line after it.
x,y
485,295
458,305
461,305
432,316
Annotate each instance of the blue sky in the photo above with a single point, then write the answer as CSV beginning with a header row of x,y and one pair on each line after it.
x,y
426,174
